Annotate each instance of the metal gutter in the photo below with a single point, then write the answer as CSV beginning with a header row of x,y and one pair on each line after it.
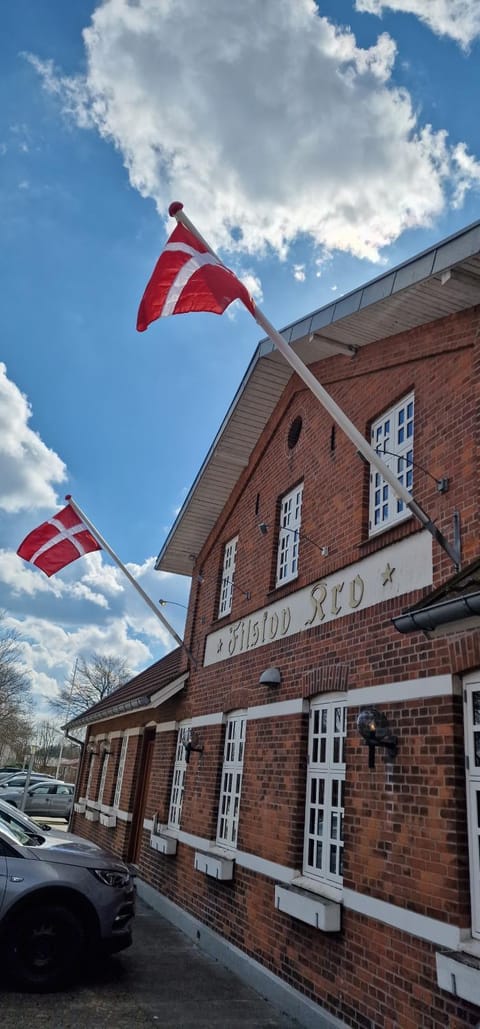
x,y
447,614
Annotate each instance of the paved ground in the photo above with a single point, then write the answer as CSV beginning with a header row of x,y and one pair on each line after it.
x,y
162,980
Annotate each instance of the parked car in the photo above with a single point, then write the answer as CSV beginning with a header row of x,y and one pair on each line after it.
x,y
56,907
20,778
41,834
51,799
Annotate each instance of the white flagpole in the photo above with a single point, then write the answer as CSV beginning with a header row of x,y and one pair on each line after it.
x,y
103,543
339,416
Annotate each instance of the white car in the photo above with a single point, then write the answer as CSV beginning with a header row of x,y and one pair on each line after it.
x,y
49,799
40,834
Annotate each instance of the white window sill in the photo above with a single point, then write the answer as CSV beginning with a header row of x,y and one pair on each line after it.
x,y
313,909
163,843
327,890
458,973
214,864
109,821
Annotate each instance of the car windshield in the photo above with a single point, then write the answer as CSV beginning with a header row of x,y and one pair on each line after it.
x,y
14,830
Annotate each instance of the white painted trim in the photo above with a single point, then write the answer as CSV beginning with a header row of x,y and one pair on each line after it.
x,y
298,706
323,914
458,977
166,727
441,933
216,718
431,929
409,689
168,691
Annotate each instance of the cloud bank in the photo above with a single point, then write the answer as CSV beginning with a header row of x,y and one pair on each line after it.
x,y
458,19
267,121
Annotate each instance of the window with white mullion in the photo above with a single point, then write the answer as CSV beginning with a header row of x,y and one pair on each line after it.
x,y
228,576
289,536
120,771
178,782
103,776
392,438
90,776
231,782
323,850
472,751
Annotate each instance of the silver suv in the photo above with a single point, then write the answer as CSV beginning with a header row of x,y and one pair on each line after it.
x,y
58,905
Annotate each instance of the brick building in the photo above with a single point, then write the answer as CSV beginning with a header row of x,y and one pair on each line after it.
x,y
339,875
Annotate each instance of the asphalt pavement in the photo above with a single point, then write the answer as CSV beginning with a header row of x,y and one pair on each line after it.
x,y
163,980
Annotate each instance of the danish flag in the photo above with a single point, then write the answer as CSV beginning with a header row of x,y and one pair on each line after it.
x,y
189,277
58,542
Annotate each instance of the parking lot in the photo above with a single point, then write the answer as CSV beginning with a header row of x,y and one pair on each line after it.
x,y
164,979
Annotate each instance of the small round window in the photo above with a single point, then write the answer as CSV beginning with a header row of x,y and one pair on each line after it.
x,y
294,432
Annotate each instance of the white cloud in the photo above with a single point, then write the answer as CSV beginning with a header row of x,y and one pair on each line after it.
x,y
459,19
28,468
299,272
265,120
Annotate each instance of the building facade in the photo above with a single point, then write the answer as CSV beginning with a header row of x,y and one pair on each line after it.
x,y
340,872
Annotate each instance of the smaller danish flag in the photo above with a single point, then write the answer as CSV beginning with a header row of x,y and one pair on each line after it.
x,y
58,542
189,277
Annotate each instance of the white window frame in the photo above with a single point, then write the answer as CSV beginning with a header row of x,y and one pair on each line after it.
x,y
392,437
121,769
178,781
231,782
472,776
289,536
103,776
228,577
90,776
324,802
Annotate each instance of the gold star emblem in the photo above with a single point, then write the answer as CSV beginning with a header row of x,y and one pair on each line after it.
x,y
387,574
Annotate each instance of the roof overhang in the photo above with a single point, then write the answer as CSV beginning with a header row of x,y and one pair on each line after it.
x,y
144,703
438,282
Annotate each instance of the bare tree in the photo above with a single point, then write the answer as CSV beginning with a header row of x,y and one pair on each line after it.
x,y
47,741
15,691
91,681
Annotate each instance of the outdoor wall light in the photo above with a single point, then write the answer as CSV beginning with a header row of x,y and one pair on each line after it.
x,y
270,677
191,742
373,727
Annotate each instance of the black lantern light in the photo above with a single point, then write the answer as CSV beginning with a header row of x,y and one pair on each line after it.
x,y
373,727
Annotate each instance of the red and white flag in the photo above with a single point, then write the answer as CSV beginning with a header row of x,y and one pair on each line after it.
x,y
188,277
58,542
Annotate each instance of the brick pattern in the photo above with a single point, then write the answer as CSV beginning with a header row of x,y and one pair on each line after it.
x,y
405,823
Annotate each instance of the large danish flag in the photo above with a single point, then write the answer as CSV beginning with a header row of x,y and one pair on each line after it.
x,y
188,277
58,542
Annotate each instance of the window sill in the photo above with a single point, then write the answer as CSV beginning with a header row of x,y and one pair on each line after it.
x,y
109,821
216,865
163,843
459,973
320,912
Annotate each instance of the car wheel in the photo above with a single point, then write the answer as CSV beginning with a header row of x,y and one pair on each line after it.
x,y
44,948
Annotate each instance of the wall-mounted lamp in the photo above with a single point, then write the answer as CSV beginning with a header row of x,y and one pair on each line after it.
x,y
92,748
270,677
191,742
373,727
301,535
104,747
162,603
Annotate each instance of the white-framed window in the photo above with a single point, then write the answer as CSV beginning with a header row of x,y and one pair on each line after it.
x,y
178,782
103,776
120,771
471,697
323,847
289,535
90,776
228,576
392,438
231,785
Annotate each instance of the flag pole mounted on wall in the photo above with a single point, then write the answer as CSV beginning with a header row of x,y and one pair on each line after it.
x,y
166,294
105,546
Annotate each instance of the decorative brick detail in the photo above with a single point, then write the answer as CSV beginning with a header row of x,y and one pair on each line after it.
x,y
328,678
464,652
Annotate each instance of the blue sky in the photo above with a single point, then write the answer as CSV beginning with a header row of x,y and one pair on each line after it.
x,y
314,144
